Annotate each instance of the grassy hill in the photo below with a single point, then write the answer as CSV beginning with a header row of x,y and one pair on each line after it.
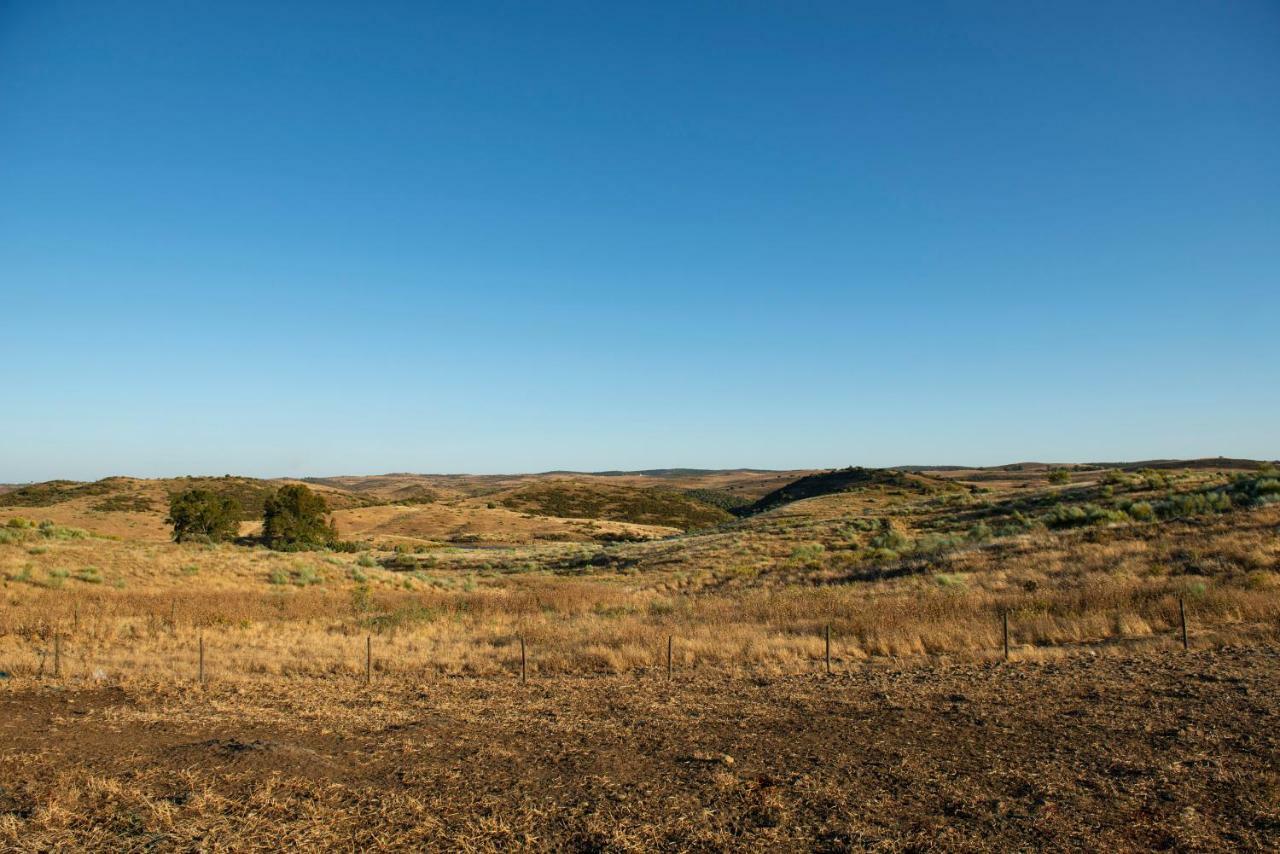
x,y
850,480
577,500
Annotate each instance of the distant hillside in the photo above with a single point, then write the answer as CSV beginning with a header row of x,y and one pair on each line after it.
x,y
1202,463
849,480
116,494
674,473
579,500
54,492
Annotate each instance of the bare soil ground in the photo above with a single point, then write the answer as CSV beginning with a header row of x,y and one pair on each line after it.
x,y
1131,750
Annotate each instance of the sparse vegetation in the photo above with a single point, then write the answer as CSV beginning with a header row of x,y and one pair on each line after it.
x,y
124,504
616,503
53,492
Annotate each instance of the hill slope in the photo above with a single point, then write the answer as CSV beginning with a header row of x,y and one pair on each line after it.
x,y
850,480
575,500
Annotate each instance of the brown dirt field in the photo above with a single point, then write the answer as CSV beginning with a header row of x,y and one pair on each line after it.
x,y
1124,752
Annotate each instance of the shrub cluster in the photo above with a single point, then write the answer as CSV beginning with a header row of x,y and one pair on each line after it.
x,y
18,530
1079,515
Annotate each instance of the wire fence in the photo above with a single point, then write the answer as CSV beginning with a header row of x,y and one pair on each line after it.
x,y
185,655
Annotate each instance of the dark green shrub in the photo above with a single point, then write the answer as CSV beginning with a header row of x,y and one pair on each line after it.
x,y
1258,490
294,519
199,515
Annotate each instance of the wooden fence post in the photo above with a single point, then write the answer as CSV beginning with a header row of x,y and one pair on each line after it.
x,y
1005,616
57,654
1182,616
201,672
670,640
827,633
523,672
368,659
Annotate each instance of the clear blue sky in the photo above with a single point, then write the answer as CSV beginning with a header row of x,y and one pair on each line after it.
x,y
317,238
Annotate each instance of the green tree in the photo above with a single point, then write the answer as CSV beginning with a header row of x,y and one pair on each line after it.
x,y
293,519
1059,476
203,516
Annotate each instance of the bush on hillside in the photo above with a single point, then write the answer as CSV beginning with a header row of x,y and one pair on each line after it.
x,y
294,519
1141,511
888,537
1187,504
1258,490
1079,515
199,515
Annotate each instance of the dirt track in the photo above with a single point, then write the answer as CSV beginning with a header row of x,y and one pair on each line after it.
x,y
1126,752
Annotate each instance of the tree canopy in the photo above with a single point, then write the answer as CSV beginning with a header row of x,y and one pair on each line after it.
x,y
294,519
202,515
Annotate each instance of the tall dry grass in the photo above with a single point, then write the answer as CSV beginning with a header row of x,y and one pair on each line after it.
x,y
144,606
587,627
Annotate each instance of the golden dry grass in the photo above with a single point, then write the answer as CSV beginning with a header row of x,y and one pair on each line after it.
x,y
124,608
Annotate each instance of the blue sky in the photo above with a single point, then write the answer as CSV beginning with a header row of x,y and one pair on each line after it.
x,y
319,238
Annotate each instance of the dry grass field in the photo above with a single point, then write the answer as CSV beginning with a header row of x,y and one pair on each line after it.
x,y
1099,730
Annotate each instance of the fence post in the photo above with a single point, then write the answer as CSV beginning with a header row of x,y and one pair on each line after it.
x,y
827,633
670,640
1005,617
368,659
523,673
201,672
1182,616
57,655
